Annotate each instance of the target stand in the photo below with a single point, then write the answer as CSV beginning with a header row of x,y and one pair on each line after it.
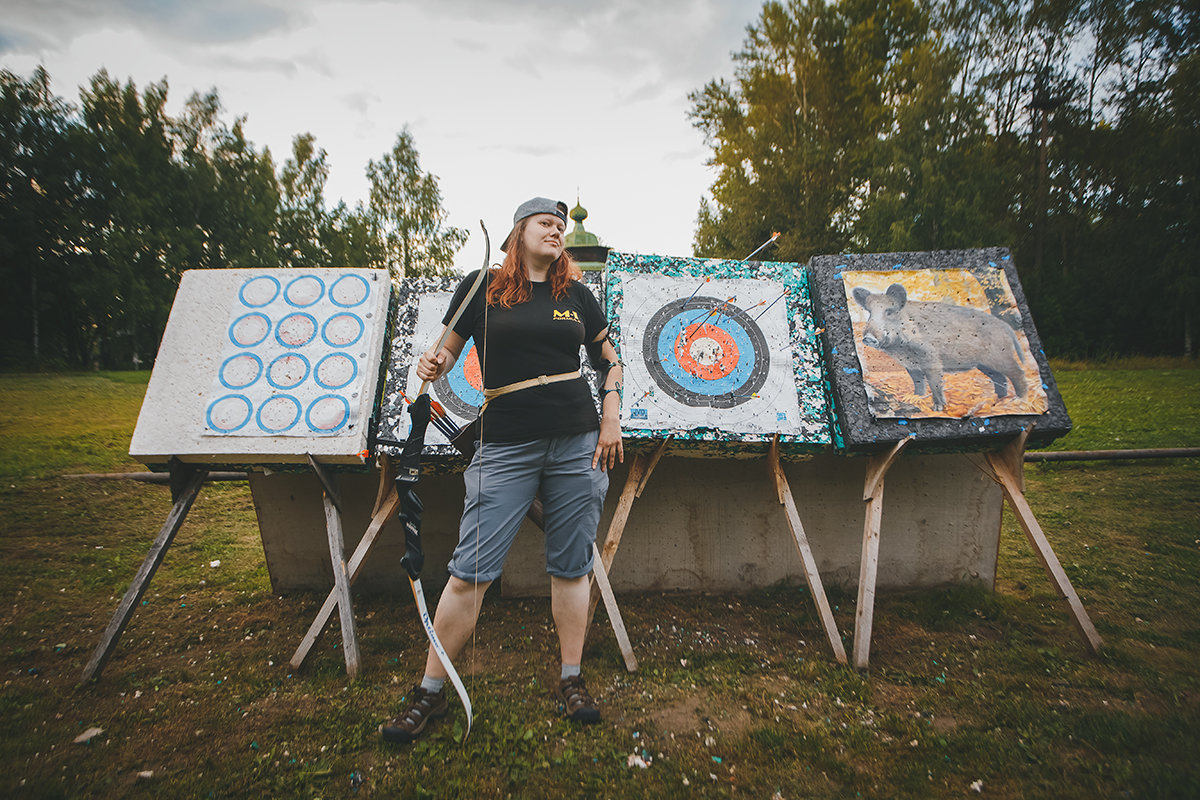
x,y
1006,469
720,359
260,367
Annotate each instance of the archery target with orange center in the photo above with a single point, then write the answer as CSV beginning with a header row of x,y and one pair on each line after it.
x,y
461,389
705,353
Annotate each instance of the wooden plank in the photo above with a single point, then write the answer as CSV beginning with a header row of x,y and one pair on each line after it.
x,y
326,483
191,486
614,613
864,615
867,573
387,482
616,528
811,574
1013,457
658,453
1101,455
385,511
341,585
1003,471
877,467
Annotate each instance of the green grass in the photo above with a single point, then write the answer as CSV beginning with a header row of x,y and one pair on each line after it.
x,y
734,697
1120,406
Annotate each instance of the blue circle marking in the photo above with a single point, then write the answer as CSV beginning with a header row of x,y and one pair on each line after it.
x,y
336,318
238,321
257,371
345,413
287,292
294,315
253,284
457,378
347,382
342,282
279,398
674,328
229,429
300,380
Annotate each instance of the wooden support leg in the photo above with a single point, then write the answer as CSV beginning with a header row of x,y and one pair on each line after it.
x,y
616,528
189,480
1006,469
341,581
614,613
341,574
386,509
877,467
811,574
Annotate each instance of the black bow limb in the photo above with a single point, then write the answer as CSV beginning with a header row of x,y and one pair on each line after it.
x,y
408,472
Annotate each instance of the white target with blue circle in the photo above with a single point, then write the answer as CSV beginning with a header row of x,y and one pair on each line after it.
x,y
295,355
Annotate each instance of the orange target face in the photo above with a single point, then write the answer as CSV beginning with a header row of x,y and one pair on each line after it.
x,y
706,351
471,369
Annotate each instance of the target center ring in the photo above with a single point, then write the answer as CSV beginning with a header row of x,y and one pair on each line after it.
x,y
707,351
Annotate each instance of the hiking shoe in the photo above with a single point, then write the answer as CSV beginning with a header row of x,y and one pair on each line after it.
x,y
578,704
422,707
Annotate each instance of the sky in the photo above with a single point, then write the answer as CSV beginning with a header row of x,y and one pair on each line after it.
x,y
505,99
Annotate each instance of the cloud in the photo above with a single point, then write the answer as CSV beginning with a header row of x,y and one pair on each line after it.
x,y
58,22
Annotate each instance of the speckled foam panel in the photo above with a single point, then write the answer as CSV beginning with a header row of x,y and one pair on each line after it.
x,y
421,305
939,346
720,355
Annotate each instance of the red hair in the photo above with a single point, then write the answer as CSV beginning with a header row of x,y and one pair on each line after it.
x,y
510,284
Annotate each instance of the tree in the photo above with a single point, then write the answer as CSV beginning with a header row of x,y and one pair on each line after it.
x,y
795,135
244,228
40,217
1065,130
302,214
406,212
130,174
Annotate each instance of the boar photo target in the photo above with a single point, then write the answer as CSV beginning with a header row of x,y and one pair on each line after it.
x,y
716,351
939,346
942,343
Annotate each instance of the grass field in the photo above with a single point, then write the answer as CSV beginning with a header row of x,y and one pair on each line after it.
x,y
969,693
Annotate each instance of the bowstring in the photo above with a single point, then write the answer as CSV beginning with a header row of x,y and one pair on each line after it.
x,y
482,352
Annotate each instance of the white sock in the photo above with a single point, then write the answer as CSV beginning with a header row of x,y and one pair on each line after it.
x,y
432,685
569,671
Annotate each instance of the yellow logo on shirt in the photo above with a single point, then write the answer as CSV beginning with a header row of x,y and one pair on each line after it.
x,y
568,315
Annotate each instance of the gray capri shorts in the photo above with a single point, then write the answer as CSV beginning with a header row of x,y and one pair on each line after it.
x,y
501,482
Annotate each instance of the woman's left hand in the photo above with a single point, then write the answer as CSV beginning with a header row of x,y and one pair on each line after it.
x,y
609,450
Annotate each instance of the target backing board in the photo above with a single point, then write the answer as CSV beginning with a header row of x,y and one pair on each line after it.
x,y
266,366
939,346
717,351
421,306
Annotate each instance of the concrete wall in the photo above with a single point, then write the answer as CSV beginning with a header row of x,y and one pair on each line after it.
x,y
701,524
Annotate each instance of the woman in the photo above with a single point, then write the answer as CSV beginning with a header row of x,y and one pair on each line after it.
x,y
529,321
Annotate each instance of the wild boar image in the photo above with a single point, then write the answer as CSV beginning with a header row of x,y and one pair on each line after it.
x,y
930,339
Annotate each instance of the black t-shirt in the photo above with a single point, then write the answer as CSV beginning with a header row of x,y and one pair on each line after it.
x,y
539,337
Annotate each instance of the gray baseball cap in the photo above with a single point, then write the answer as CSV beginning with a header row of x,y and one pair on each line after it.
x,y
536,205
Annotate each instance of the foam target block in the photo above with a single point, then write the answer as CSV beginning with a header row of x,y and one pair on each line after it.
x,y
720,355
266,366
421,305
939,346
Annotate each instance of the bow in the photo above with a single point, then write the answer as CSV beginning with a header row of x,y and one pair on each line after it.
x,y
408,472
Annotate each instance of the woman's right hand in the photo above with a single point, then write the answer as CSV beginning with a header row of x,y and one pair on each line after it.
x,y
430,365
